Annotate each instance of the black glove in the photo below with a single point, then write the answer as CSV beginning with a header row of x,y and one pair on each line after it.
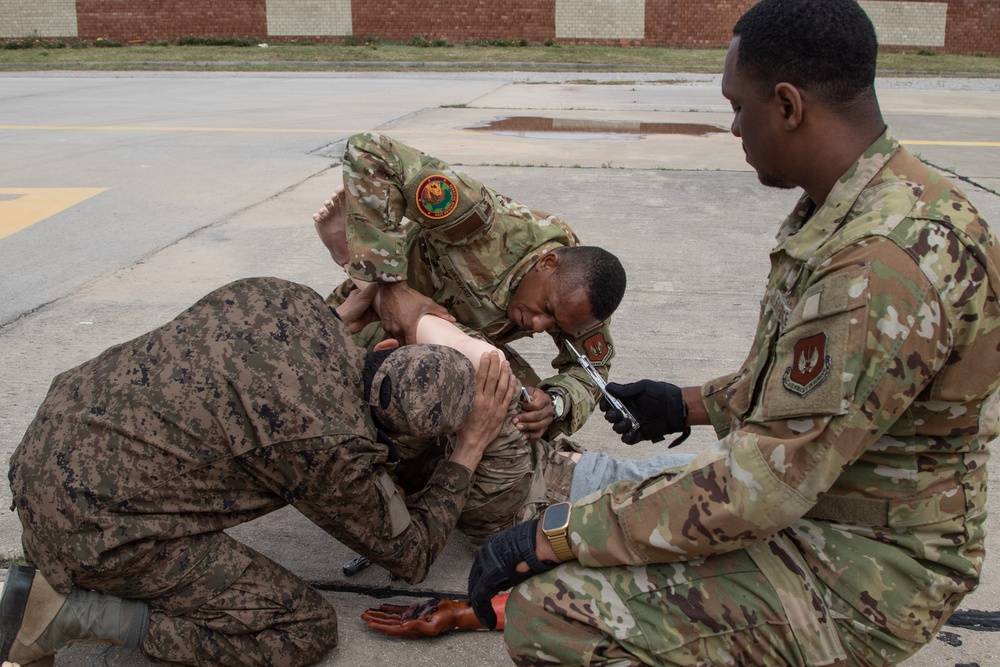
x,y
494,568
657,406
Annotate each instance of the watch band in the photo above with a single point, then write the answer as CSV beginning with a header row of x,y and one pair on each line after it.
x,y
560,545
559,537
558,404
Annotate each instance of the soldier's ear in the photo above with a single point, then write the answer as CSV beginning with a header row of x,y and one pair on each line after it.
x,y
548,262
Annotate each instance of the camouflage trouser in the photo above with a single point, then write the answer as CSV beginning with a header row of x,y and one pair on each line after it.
x,y
747,607
265,616
516,479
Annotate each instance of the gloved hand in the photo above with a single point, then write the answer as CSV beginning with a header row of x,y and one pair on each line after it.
x,y
430,617
657,406
495,568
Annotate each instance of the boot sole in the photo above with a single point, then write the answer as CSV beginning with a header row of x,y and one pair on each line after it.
x,y
12,605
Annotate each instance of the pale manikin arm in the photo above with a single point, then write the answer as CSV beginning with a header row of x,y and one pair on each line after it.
x,y
433,330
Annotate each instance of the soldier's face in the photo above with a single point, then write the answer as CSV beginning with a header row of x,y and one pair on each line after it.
x,y
543,303
757,121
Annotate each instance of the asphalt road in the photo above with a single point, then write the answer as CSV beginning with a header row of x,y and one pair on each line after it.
x,y
124,197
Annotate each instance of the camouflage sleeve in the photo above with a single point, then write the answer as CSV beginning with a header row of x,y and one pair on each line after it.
x,y
712,393
344,487
375,170
868,343
717,395
391,191
579,390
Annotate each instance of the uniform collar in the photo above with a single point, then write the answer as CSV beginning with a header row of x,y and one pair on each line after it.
x,y
508,285
808,228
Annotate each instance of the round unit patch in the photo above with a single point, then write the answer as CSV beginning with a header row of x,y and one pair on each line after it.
x,y
437,197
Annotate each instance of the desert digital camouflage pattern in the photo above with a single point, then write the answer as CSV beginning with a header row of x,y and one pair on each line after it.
x,y
409,380
248,401
845,501
466,247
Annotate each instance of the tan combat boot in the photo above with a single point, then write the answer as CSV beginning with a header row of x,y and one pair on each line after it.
x,y
36,621
27,608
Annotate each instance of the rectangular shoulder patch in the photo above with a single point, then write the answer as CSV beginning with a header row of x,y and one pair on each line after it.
x,y
399,516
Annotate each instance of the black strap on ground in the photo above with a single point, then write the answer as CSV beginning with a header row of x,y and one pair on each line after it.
x,y
381,592
974,619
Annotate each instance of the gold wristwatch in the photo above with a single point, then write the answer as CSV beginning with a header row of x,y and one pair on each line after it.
x,y
555,525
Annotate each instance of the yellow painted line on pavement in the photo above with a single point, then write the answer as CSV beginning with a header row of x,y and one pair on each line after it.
x,y
982,144
303,130
23,207
261,130
136,128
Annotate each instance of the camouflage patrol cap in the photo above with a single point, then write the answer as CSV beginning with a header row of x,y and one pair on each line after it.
x,y
423,390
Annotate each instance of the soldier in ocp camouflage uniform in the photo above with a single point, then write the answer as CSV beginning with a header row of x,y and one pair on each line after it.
x,y
253,399
840,518
500,269
468,249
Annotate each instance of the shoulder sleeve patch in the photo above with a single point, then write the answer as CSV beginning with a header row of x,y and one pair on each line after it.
x,y
812,371
596,348
436,197
399,516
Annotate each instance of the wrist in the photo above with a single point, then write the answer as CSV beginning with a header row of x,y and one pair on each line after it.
x,y
468,450
554,526
465,458
697,415
560,404
543,548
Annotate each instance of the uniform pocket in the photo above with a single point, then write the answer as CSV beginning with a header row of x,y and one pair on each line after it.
x,y
813,370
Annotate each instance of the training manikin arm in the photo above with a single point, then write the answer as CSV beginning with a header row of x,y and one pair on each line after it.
x,y
432,330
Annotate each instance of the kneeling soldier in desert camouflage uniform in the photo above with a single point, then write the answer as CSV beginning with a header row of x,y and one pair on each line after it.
x,y
252,399
438,241
840,518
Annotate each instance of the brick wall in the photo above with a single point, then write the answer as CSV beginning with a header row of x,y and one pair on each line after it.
x,y
692,24
946,26
454,20
152,20
973,27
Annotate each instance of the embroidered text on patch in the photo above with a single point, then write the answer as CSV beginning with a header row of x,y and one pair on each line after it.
x,y
596,347
810,365
437,197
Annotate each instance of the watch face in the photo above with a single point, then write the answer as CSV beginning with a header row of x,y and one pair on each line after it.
x,y
556,516
558,404
558,407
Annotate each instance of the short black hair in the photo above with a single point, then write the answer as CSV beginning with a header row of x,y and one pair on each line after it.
x,y
825,47
599,272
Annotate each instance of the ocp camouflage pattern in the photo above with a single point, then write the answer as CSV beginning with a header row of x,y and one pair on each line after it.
x,y
470,261
853,439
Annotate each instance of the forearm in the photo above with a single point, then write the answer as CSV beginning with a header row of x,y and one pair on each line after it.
x,y
434,512
580,396
697,412
351,496
581,392
374,173
432,330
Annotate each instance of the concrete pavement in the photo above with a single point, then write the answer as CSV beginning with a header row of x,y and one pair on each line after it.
x,y
689,220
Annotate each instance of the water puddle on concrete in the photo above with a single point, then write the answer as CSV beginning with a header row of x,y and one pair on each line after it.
x,y
537,127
